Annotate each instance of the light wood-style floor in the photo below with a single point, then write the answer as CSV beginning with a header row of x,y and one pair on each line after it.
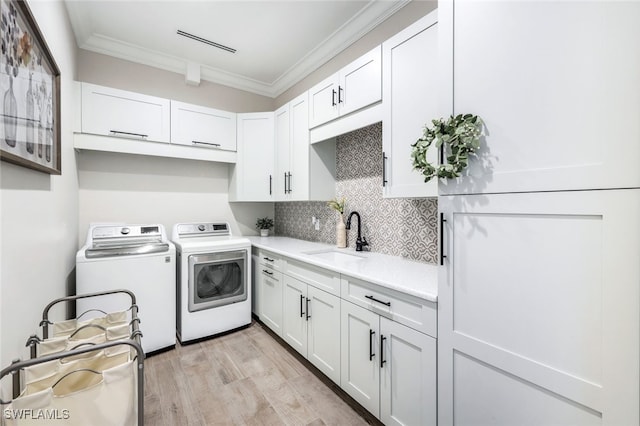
x,y
242,378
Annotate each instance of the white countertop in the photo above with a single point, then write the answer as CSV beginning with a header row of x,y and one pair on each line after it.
x,y
407,276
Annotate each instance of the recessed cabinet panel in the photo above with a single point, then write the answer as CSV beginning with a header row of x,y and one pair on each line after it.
x,y
408,375
410,88
118,113
542,290
252,176
202,127
360,349
323,101
270,290
323,344
552,91
354,87
361,82
483,392
295,312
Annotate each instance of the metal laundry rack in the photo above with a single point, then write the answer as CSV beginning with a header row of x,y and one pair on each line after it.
x,y
132,340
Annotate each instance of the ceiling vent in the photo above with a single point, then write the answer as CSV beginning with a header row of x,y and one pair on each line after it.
x,y
205,41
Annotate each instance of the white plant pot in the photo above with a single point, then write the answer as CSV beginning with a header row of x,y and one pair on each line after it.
x,y
264,232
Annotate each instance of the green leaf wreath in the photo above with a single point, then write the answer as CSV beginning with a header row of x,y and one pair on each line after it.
x,y
460,133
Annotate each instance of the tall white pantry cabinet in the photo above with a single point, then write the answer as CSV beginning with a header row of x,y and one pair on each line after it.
x,y
539,300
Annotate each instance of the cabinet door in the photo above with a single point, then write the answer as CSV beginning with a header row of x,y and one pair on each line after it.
x,y
360,353
252,177
282,146
298,182
410,89
323,347
203,127
295,314
539,319
270,285
554,96
113,112
361,82
408,375
323,101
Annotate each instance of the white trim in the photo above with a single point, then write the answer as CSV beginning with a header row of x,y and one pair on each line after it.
x,y
359,25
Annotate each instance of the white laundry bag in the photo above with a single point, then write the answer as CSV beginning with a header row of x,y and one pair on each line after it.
x,y
102,399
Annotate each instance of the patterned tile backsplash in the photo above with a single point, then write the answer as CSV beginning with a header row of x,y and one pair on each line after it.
x,y
404,227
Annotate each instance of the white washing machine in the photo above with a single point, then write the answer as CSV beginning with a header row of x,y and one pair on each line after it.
x,y
213,280
138,258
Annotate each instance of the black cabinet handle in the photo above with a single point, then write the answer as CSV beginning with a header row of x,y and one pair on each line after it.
x,y
340,90
268,259
118,132
307,307
270,184
289,176
371,354
301,301
382,360
376,300
285,182
333,97
267,272
384,169
442,255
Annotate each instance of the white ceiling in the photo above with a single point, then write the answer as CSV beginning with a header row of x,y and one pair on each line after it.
x,y
278,42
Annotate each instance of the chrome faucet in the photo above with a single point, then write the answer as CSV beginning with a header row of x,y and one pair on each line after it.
x,y
360,241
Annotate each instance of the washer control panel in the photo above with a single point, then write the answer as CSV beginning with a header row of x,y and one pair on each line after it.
x,y
128,231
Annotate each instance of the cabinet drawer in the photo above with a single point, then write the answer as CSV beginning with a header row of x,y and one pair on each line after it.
x,y
411,311
270,261
113,112
318,277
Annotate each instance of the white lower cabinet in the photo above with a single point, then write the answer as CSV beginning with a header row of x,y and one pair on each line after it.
x,y
270,294
311,324
387,367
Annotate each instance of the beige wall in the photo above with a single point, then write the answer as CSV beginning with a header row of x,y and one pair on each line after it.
x,y
398,21
113,72
39,212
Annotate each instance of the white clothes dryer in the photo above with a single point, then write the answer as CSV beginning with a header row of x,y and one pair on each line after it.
x,y
213,280
138,258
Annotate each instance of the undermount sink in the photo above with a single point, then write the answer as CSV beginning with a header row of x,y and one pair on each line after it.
x,y
334,255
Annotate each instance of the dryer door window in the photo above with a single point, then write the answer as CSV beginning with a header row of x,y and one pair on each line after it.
x,y
217,279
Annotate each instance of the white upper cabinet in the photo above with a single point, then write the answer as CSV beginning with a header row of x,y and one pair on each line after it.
x,y
302,172
556,84
410,89
323,101
203,127
356,86
113,112
252,177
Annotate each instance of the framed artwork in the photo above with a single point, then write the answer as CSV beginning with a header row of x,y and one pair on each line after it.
x,y
29,93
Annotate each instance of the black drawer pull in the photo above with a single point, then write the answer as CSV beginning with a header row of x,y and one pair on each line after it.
x,y
267,272
307,307
382,360
268,259
379,301
442,255
301,302
371,354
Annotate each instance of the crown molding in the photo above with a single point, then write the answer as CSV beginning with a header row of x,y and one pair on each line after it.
x,y
359,25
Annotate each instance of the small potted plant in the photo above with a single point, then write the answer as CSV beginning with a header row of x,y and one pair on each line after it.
x,y
264,224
